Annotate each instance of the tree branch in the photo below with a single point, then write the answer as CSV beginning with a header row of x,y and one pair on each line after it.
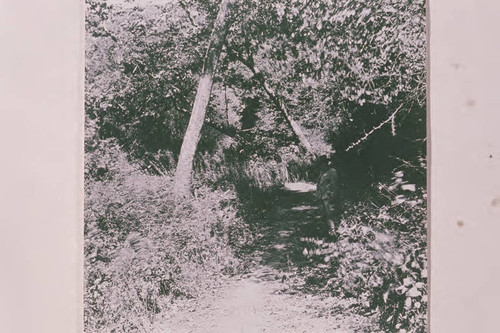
x,y
186,10
278,102
232,132
365,137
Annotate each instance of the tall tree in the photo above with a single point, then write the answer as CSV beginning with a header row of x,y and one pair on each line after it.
x,y
331,75
184,169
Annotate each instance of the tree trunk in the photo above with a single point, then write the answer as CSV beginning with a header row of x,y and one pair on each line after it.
x,y
275,98
184,169
292,123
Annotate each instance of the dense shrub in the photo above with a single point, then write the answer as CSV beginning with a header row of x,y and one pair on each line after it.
x,y
380,256
144,248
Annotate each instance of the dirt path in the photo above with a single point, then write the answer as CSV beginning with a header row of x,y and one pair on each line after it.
x,y
265,300
252,305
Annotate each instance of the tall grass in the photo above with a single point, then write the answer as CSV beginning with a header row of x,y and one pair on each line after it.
x,y
144,248
227,169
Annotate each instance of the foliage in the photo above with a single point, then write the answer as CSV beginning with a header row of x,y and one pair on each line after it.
x,y
341,68
143,248
380,257
139,83
350,72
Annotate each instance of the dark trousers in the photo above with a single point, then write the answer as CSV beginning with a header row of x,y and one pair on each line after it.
x,y
331,209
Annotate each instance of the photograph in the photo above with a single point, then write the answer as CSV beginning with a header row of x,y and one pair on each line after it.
x,y
255,166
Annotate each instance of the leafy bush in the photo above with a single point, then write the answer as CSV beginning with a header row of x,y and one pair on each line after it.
x,y
144,248
380,257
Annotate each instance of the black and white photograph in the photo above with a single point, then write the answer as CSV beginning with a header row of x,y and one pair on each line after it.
x,y
255,166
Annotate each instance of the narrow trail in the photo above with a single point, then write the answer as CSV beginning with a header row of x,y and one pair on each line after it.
x,y
265,300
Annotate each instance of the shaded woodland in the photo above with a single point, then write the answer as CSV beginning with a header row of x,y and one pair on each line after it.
x,y
285,82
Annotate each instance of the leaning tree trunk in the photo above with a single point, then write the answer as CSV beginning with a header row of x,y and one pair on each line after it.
x,y
184,169
278,102
283,109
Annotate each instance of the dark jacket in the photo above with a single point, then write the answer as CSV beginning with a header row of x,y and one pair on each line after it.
x,y
328,184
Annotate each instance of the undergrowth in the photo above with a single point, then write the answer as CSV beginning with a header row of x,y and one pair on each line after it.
x,y
380,257
144,248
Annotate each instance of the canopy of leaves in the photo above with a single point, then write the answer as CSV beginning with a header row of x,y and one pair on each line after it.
x,y
341,68
351,73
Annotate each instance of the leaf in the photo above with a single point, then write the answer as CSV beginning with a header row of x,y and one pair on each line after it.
x,y
408,281
413,292
399,200
408,303
401,289
408,187
385,296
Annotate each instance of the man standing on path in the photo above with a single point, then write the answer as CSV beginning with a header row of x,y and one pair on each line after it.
x,y
327,191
